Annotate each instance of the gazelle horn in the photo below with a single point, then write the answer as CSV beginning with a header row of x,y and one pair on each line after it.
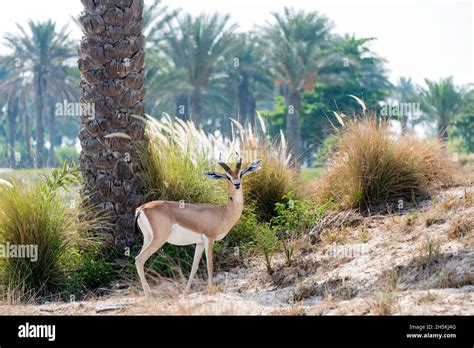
x,y
225,166
239,161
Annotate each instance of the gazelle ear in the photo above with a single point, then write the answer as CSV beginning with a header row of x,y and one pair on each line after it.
x,y
215,176
253,167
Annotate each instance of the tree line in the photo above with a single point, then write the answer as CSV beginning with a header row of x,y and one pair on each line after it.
x,y
293,69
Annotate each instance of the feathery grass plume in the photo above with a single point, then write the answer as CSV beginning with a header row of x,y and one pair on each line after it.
x,y
35,217
373,165
5,183
174,161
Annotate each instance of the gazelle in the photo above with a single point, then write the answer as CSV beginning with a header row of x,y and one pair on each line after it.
x,y
182,223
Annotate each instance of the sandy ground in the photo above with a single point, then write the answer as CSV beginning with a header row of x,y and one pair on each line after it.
x,y
401,264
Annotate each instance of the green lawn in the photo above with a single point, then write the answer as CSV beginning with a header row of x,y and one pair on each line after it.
x,y
24,175
28,175
311,173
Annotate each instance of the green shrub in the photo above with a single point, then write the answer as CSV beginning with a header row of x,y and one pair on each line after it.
x,y
269,186
66,154
267,243
297,215
89,269
328,147
373,166
36,215
243,231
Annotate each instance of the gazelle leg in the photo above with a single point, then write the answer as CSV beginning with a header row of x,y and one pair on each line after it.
x,y
197,258
209,245
152,247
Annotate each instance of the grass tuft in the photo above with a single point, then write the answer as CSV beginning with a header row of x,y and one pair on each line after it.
x,y
374,166
34,217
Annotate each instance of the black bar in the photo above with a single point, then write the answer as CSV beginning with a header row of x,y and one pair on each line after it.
x,y
224,330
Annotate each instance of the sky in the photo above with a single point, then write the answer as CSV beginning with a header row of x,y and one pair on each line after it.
x,y
419,39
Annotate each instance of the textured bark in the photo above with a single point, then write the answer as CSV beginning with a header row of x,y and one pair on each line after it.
x,y
111,58
293,133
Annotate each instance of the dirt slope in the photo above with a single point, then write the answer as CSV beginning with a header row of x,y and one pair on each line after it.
x,y
420,261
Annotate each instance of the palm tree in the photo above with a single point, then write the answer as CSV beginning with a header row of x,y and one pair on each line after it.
x,y
440,101
17,86
195,46
156,17
39,51
297,46
405,93
9,100
162,79
62,88
253,78
111,61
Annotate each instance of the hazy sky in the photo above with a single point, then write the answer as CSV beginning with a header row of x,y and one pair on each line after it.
x,y
418,38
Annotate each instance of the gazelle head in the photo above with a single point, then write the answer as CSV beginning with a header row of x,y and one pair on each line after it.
x,y
234,176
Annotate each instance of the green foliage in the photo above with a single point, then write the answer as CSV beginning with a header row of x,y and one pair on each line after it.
x,y
296,215
266,242
292,218
243,231
328,147
89,269
441,101
66,153
308,174
60,178
269,185
35,215
461,130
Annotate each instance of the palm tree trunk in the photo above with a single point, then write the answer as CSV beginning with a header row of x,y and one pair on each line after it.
x,y
182,106
52,132
293,133
39,118
252,113
27,138
12,114
244,102
404,123
196,105
443,128
111,60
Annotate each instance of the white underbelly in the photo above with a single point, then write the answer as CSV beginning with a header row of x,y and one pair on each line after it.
x,y
182,236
